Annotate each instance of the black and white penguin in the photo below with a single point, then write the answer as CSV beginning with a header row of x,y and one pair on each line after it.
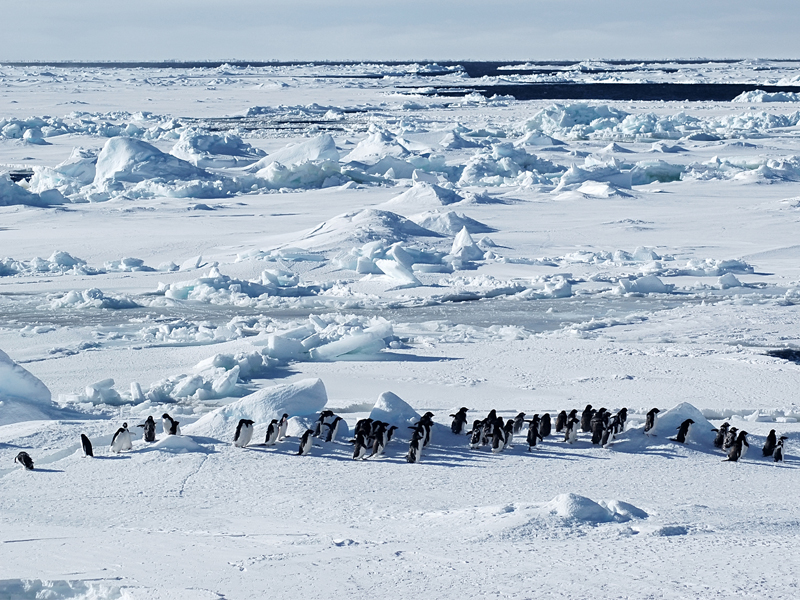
x,y
498,440
519,422
390,433
333,429
426,421
121,440
508,432
475,434
730,438
360,447
561,421
170,425
622,417
283,425
545,426
745,445
306,442
736,449
24,459
318,425
683,431
488,427
608,435
244,433
571,430
597,427
613,427
459,425
379,440
769,445
272,433
719,439
533,432
777,454
415,448
650,420
149,429
86,444
586,419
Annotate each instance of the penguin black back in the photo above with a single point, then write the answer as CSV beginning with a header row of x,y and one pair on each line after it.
x,y
86,444
24,459
769,445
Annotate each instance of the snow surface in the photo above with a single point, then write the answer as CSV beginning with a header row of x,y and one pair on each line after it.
x,y
240,242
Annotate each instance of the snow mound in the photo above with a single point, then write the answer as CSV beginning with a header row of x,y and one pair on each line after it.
x,y
216,288
392,409
572,507
133,161
450,223
598,189
204,149
649,284
424,195
614,147
377,145
319,148
302,398
178,444
762,96
362,226
92,298
23,397
699,433
12,194
465,248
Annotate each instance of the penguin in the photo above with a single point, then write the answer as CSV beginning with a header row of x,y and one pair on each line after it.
x,y
586,419
508,433
426,421
597,428
613,428
533,432
272,433
459,426
683,431
325,414
488,427
769,445
777,454
475,434
735,452
24,459
333,430
519,422
571,430
498,440
622,417
86,444
719,439
283,425
360,449
244,433
650,420
170,425
149,427
363,426
121,440
730,438
414,448
390,433
745,445
545,426
306,442
561,421
379,442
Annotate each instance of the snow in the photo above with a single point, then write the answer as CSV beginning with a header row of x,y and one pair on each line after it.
x,y
303,398
227,242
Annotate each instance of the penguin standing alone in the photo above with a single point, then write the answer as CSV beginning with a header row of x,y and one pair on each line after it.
x,y
244,433
86,444
149,429
414,448
121,440
170,425
769,445
683,431
459,425
777,454
283,425
305,442
650,420
24,459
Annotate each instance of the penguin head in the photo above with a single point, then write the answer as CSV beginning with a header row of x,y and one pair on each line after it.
x,y
166,416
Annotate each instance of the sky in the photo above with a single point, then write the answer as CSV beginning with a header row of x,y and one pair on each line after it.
x,y
389,30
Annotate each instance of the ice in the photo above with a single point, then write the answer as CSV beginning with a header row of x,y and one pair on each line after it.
x,y
465,248
178,444
302,398
212,150
319,148
450,223
392,409
762,96
23,397
92,298
572,507
12,194
132,161
649,284
377,145
700,432
423,195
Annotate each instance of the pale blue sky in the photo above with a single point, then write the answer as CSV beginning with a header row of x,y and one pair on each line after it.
x,y
411,29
